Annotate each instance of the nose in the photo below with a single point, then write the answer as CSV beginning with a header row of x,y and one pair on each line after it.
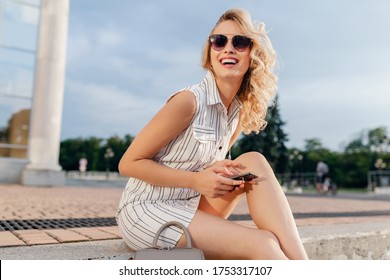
x,y
229,47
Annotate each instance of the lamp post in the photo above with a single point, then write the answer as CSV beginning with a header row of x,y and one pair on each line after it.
x,y
108,155
380,164
298,169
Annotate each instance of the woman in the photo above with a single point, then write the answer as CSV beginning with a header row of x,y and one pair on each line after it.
x,y
176,163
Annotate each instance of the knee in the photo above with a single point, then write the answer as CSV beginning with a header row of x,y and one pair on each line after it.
x,y
268,247
252,157
271,238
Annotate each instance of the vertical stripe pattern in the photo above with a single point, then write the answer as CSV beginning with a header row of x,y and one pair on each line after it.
x,y
143,207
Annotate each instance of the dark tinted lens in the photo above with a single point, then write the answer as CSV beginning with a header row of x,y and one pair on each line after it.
x,y
218,41
240,43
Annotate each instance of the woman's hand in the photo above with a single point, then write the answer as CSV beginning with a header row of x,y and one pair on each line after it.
x,y
230,166
214,181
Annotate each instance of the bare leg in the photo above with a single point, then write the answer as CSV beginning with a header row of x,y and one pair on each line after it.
x,y
269,207
267,204
223,239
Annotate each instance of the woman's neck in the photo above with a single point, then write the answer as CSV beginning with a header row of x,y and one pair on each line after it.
x,y
228,90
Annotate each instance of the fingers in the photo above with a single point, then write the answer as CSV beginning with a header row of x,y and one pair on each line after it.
x,y
228,185
232,166
227,163
231,163
222,170
219,179
232,182
237,187
226,169
224,180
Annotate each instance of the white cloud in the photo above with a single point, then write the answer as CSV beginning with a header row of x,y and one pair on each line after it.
x,y
333,110
104,110
78,46
109,38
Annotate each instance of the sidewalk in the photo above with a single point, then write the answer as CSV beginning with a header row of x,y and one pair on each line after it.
x,y
77,223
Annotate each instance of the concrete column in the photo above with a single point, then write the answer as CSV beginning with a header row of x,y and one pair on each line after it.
x,y
46,115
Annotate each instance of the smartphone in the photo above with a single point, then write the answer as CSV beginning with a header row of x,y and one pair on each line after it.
x,y
244,177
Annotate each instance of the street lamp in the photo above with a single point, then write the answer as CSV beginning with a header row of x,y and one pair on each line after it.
x,y
379,164
108,155
298,169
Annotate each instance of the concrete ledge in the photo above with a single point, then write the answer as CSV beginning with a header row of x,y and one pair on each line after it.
x,y
67,251
326,242
11,169
43,177
365,241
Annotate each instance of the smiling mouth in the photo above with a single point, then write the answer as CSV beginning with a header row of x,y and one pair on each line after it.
x,y
229,61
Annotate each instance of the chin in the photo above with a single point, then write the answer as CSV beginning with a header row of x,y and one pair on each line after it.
x,y
231,74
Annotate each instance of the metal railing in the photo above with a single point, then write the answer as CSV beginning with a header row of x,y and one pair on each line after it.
x,y
378,179
94,175
294,180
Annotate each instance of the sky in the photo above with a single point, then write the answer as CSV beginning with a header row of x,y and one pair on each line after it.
x,y
125,58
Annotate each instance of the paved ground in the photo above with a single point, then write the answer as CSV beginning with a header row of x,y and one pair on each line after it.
x,y
71,202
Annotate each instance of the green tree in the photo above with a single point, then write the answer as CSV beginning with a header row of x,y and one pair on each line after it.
x,y
71,150
361,154
314,152
94,150
270,141
313,144
378,139
118,147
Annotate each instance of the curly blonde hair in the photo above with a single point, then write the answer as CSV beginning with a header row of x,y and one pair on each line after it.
x,y
258,87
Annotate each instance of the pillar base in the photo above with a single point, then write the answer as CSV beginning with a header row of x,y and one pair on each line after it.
x,y
43,177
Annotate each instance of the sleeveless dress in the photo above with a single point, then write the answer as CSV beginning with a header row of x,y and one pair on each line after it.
x,y
143,207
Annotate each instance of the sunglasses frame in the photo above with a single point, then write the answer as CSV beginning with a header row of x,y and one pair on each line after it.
x,y
214,37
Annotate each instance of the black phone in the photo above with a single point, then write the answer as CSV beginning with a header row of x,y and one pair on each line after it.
x,y
244,177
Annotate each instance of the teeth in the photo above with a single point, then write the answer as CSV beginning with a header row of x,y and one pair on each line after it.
x,y
228,61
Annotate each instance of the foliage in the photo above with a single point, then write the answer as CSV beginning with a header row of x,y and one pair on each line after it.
x,y
349,168
71,150
369,150
94,150
270,141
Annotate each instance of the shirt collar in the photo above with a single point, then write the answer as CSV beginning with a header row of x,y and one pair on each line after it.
x,y
213,93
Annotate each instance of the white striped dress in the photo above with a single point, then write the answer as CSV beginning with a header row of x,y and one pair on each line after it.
x,y
143,207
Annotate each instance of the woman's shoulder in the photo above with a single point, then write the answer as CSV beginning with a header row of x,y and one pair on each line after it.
x,y
184,97
191,98
185,100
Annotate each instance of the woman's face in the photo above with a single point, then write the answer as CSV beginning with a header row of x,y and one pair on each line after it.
x,y
229,63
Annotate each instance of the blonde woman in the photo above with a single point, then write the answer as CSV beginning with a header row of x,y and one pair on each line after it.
x,y
177,165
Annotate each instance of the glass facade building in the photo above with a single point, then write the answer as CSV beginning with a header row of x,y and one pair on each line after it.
x,y
19,24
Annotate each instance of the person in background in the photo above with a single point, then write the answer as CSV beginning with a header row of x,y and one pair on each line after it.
x,y
83,162
322,171
177,166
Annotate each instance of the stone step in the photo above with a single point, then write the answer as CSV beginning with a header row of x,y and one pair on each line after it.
x,y
324,242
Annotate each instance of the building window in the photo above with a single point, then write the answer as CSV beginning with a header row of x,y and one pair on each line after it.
x,y
18,39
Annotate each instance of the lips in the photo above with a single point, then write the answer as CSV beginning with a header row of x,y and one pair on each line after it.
x,y
229,61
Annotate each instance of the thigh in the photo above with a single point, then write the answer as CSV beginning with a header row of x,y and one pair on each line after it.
x,y
223,239
222,206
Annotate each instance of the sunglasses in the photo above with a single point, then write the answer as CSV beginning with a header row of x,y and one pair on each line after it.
x,y
219,41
